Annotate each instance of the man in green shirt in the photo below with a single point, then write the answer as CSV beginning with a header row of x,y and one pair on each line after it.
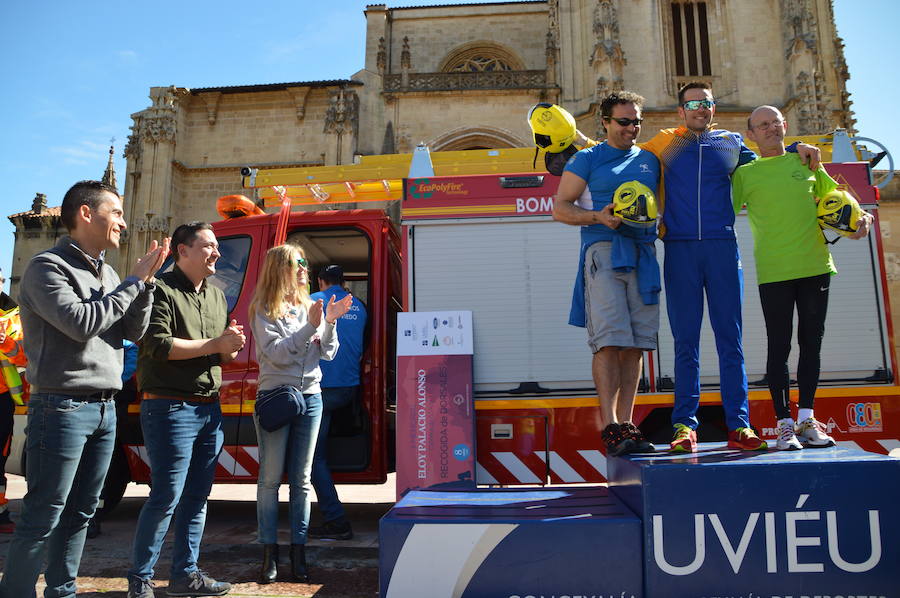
x,y
179,371
793,268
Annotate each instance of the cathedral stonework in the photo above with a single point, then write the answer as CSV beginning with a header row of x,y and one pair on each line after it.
x,y
464,76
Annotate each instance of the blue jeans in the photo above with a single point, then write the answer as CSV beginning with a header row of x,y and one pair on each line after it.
x,y
69,445
329,503
183,441
293,445
713,268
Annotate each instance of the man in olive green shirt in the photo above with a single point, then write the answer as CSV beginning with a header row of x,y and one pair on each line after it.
x,y
793,267
179,371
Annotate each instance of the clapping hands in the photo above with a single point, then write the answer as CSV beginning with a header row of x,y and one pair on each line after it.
x,y
147,266
333,311
233,339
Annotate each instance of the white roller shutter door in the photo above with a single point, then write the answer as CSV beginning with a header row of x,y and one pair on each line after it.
x,y
516,277
853,347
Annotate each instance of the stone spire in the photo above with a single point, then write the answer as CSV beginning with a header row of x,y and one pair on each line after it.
x,y
109,176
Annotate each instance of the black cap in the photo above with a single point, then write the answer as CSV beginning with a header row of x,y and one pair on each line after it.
x,y
333,274
556,163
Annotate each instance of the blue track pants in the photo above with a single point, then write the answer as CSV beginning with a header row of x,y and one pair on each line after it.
x,y
713,266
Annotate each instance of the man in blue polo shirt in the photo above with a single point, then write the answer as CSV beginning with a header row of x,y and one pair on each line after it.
x,y
340,387
616,293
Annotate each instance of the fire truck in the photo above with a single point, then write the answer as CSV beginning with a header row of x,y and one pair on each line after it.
x,y
472,230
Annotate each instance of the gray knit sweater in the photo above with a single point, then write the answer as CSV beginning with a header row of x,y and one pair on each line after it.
x,y
74,319
288,350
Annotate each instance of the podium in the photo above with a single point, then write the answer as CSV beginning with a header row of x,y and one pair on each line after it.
x,y
511,543
816,522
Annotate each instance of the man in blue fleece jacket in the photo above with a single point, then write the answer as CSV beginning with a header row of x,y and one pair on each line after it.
x,y
702,259
616,293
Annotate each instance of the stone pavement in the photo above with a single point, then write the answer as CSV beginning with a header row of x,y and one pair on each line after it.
x,y
339,569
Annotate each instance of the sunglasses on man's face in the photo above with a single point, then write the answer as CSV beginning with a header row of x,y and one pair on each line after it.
x,y
624,122
301,261
697,104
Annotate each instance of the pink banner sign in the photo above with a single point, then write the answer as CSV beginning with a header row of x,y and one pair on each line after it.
x,y
435,417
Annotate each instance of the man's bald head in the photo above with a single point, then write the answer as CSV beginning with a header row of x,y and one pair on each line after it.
x,y
764,114
766,127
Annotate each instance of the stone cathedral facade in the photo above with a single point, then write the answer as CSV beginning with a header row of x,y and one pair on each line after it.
x,y
464,76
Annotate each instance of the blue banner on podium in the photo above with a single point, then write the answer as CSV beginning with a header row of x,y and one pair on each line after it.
x,y
510,543
816,522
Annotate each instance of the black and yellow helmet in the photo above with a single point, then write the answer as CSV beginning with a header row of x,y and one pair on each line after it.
x,y
839,211
553,130
635,204
552,126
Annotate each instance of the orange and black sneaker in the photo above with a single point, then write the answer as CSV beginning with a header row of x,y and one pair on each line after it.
x,y
617,439
641,444
746,439
684,440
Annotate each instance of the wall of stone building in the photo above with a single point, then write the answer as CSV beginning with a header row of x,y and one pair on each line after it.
x,y
199,190
624,43
373,123
434,33
501,114
30,241
260,127
759,52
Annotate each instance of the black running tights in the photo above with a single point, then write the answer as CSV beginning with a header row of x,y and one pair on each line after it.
x,y
810,296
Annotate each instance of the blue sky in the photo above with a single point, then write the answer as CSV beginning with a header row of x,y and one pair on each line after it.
x,y
75,71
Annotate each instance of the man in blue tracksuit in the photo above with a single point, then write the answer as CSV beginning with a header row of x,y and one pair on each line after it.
x,y
340,387
702,256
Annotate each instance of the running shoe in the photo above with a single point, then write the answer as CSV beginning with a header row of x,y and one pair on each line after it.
x,y
746,439
641,444
617,439
139,587
787,440
337,529
198,583
812,434
684,440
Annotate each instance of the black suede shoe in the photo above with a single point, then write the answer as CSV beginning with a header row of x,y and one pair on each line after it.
x,y
336,529
139,587
198,583
268,573
94,527
298,563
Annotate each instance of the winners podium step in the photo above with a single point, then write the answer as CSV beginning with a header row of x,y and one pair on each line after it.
x,y
815,522
719,522
512,542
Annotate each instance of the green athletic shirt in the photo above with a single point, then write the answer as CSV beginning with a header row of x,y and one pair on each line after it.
x,y
779,194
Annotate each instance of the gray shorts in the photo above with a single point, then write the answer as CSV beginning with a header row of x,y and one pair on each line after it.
x,y
615,313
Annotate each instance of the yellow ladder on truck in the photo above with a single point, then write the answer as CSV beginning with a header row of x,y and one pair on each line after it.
x,y
379,178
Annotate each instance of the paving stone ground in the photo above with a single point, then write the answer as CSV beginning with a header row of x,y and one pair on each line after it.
x,y
339,569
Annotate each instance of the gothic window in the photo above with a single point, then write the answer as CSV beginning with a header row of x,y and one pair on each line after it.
x,y
690,38
479,63
480,57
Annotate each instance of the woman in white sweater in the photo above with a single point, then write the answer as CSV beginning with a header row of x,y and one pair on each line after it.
x,y
291,334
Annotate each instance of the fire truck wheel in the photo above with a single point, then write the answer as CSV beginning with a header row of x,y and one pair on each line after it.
x,y
116,481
